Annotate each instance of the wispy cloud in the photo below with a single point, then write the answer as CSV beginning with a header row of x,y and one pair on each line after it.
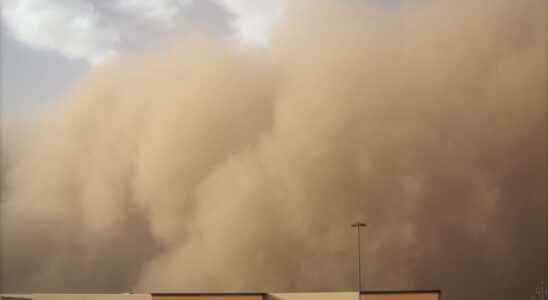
x,y
254,19
95,31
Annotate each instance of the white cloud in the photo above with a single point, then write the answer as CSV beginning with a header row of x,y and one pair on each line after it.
x,y
254,18
95,30
86,29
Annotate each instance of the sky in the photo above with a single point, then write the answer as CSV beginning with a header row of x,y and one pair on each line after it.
x,y
48,46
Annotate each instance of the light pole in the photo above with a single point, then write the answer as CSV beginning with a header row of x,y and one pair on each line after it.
x,y
358,225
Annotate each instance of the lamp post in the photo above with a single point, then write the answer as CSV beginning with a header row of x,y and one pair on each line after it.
x,y
358,225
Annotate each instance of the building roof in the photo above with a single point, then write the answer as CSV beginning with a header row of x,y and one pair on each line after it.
x,y
208,294
401,292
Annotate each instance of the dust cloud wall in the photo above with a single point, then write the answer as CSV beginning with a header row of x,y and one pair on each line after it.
x,y
216,168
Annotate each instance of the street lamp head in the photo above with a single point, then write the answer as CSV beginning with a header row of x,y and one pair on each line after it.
x,y
359,224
